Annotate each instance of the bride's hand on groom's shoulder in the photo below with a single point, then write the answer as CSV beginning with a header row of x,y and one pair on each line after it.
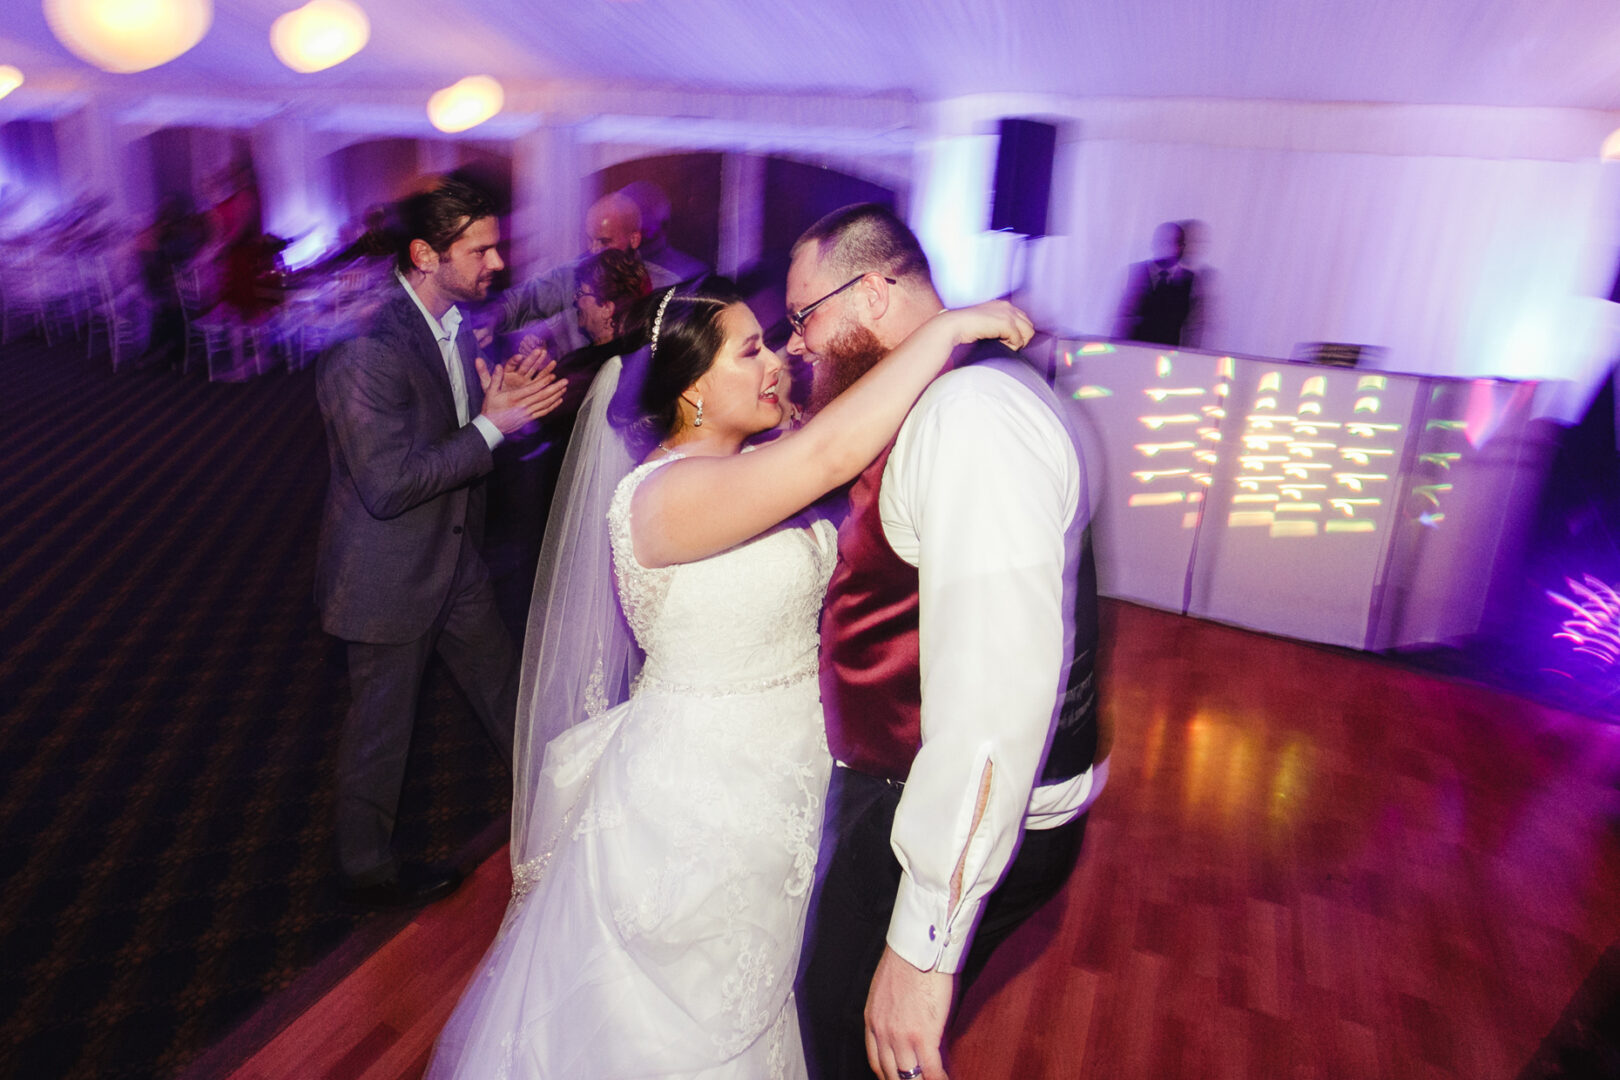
x,y
993,319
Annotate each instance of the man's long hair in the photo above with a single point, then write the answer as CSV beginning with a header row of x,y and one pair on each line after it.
x,y
438,215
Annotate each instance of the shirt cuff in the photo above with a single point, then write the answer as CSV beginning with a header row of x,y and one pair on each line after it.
x,y
486,427
922,932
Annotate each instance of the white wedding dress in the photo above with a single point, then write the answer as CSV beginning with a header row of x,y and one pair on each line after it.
x,y
658,936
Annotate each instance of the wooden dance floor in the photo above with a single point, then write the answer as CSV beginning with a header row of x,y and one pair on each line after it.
x,y
1307,864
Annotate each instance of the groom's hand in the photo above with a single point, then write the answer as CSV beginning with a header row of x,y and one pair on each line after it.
x,y
906,1012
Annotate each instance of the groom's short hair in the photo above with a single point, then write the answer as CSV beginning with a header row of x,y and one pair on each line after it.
x,y
867,238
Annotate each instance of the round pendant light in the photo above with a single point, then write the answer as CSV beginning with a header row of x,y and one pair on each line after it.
x,y
466,104
128,35
319,35
1611,147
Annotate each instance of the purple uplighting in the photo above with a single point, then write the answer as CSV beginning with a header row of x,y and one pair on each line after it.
x,y
644,538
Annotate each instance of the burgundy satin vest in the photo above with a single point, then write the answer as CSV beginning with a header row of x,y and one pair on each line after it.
x,y
871,677
871,664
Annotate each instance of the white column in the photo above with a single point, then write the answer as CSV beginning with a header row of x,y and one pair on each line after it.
x,y
283,162
547,208
88,157
742,212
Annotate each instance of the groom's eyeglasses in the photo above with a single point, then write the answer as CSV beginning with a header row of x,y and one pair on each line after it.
x,y
797,319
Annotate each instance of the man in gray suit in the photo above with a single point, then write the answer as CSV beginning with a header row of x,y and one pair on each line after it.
x,y
412,416
613,221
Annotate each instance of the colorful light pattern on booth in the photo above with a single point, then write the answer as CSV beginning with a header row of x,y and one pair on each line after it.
x,y
1284,451
1301,471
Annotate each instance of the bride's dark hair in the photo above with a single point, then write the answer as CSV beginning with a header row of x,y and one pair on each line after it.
x,y
682,328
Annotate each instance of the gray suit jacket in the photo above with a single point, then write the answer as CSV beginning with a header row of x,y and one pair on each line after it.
x,y
405,490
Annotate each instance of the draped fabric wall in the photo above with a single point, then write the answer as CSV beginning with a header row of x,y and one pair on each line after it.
x,y
1457,264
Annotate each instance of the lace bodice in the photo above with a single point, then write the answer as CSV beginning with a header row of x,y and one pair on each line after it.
x,y
737,622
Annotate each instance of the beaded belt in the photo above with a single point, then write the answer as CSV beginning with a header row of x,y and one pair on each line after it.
x,y
650,681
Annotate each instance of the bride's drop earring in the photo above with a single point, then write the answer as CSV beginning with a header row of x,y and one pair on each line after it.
x,y
697,421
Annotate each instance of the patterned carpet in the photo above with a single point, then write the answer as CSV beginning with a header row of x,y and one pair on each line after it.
x,y
169,712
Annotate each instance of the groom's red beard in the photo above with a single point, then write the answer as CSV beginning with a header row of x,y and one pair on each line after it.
x,y
848,356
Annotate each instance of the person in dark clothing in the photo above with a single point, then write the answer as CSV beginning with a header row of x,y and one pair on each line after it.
x,y
1164,296
607,286
413,417
168,246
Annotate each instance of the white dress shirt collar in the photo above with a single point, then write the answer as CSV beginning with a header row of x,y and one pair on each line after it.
x,y
444,332
443,329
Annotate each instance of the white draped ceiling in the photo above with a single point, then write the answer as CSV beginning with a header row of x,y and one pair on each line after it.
x,y
1456,215
1482,52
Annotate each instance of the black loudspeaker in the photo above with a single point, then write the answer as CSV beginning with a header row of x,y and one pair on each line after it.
x,y
1023,177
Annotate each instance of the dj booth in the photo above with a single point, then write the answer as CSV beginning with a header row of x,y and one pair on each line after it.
x,y
1360,508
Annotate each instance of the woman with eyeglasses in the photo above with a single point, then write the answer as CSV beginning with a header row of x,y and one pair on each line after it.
x,y
607,287
671,756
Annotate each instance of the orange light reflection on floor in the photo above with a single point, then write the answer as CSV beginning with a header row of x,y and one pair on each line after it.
x,y
1288,786
1231,771
1237,791
1153,748
1200,747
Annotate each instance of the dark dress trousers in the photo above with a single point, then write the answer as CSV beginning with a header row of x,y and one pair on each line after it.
x,y
399,571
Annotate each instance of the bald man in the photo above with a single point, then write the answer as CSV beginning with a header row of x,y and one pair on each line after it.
x,y
655,247
613,221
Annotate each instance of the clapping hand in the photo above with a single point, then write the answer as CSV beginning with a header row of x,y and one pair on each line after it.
x,y
531,363
515,398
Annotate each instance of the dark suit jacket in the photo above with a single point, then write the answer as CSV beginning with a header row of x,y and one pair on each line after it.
x,y
1170,314
405,488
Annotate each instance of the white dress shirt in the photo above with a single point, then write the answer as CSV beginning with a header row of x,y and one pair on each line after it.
x,y
445,334
981,486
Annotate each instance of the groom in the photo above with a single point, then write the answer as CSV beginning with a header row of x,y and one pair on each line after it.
x,y
958,666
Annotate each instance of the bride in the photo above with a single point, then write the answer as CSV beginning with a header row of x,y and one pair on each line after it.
x,y
664,849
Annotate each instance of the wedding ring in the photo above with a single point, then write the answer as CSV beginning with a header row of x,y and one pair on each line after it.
x,y
910,1074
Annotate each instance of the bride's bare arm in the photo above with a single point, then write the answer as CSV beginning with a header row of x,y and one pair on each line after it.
x,y
702,505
